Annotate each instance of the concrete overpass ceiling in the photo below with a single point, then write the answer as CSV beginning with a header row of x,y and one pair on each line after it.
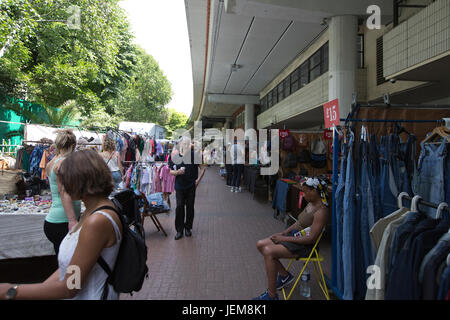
x,y
262,36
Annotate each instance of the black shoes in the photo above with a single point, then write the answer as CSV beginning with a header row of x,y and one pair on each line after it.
x,y
188,232
179,235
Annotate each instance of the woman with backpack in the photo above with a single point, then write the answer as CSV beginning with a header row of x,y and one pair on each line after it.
x,y
85,176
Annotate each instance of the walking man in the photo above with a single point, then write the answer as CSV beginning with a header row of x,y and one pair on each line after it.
x,y
187,179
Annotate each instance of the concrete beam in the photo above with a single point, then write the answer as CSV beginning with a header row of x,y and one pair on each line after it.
x,y
238,99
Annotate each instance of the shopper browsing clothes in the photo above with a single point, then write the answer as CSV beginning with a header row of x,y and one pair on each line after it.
x,y
187,180
112,159
85,176
64,212
288,244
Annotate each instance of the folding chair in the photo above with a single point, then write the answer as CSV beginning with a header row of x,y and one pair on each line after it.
x,y
148,212
315,257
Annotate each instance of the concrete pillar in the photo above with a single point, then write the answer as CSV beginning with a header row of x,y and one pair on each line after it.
x,y
343,32
249,116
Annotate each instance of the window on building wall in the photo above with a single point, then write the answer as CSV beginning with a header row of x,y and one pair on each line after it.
x,y
325,60
314,66
304,74
294,80
269,100
275,96
280,91
360,43
287,86
263,104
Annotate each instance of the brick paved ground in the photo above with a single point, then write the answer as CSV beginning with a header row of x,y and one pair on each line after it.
x,y
220,261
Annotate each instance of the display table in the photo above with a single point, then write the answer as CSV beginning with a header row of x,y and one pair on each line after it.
x,y
22,236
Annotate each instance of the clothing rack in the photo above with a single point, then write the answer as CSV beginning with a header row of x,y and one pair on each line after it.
x,y
332,282
427,204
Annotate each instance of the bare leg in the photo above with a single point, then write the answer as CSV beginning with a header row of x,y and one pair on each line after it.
x,y
272,254
261,245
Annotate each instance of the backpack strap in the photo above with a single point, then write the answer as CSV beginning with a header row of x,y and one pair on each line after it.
x,y
102,261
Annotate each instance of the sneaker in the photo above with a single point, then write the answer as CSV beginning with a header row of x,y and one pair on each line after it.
x,y
232,189
266,296
284,281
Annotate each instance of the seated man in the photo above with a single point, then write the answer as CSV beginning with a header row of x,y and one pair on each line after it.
x,y
288,244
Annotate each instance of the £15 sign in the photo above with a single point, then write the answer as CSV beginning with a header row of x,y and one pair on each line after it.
x,y
331,113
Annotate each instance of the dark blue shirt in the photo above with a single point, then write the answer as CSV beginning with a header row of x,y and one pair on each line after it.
x,y
186,180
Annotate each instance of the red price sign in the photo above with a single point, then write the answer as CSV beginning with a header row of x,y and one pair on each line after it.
x,y
331,113
328,135
284,133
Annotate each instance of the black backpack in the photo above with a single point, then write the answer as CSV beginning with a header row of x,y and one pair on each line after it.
x,y
130,269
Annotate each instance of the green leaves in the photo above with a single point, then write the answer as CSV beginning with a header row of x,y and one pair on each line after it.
x,y
97,68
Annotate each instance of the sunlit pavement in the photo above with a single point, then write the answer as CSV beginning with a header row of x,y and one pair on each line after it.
x,y
220,261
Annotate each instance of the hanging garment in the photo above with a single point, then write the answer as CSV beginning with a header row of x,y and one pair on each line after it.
x,y
339,200
35,160
43,164
156,187
348,233
168,180
444,286
430,173
402,273
428,275
381,260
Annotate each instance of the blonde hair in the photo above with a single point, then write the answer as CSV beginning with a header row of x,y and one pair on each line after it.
x,y
109,145
65,141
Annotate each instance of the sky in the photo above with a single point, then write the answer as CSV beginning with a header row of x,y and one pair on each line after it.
x,y
160,27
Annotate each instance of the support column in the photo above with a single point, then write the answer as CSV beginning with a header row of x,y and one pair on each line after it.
x,y
249,116
343,32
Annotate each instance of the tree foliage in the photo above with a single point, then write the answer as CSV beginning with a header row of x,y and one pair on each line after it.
x,y
97,67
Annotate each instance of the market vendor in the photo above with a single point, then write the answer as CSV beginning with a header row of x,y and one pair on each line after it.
x,y
64,212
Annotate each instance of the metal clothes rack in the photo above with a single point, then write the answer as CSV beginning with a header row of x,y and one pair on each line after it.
x,y
332,282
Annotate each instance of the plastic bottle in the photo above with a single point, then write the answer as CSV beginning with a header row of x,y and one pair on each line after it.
x,y
305,290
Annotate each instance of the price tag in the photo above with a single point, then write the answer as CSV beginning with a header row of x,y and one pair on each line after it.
x,y
328,135
284,133
331,113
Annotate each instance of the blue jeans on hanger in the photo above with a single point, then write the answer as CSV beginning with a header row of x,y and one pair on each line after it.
x,y
407,164
374,173
388,199
430,174
339,199
348,229
367,209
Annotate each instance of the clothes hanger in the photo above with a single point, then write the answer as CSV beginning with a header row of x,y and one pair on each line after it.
x,y
414,202
400,199
438,132
440,209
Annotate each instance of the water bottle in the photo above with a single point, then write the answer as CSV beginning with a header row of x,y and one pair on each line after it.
x,y
305,290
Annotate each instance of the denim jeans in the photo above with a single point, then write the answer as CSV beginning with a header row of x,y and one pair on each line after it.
x,y
407,164
339,199
387,179
375,174
430,174
348,229
367,208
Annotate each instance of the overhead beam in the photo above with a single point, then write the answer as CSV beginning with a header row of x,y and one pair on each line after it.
x,y
233,98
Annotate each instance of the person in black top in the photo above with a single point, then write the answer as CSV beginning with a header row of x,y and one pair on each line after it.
x,y
187,179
